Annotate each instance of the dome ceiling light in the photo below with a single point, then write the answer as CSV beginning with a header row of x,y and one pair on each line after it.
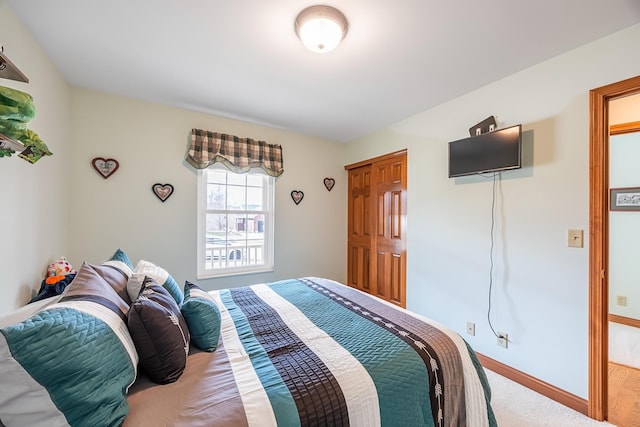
x,y
321,28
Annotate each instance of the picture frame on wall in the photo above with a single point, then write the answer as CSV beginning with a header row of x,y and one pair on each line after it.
x,y
624,199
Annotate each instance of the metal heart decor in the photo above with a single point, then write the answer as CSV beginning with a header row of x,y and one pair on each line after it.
x,y
329,183
162,191
105,167
297,196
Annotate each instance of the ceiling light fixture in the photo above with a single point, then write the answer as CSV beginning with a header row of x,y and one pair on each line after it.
x,y
321,28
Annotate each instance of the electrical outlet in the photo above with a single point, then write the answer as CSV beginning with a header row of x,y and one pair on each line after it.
x,y
503,340
471,328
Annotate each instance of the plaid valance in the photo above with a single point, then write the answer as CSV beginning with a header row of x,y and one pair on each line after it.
x,y
238,154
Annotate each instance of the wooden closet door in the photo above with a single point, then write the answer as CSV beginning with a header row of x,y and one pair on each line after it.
x,y
359,229
389,263
376,252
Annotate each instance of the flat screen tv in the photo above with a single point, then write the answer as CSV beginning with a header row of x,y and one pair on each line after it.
x,y
488,152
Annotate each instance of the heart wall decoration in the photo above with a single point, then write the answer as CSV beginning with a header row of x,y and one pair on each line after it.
x,y
297,196
162,191
329,183
105,167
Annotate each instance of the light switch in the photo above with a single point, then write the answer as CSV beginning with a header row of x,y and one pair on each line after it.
x,y
621,301
575,238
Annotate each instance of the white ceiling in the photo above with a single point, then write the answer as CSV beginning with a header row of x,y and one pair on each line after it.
x,y
241,58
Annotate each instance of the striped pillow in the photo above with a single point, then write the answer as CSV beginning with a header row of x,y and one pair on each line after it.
x,y
116,271
160,275
70,363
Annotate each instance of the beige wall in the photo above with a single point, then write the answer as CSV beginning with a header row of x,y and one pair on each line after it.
x,y
35,198
150,142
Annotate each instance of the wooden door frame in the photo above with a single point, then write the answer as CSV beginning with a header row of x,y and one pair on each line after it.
x,y
598,239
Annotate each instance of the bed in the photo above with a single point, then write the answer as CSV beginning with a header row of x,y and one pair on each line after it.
x,y
305,351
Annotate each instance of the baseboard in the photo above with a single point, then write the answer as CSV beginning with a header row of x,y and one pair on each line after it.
x,y
552,392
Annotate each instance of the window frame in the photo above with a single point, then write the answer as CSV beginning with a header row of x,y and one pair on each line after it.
x,y
202,272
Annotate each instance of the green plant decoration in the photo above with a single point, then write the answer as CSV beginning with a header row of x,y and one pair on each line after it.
x,y
16,111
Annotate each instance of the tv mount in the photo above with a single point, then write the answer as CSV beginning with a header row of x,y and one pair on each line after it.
x,y
487,125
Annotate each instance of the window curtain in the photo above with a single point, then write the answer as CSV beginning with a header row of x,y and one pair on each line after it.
x,y
237,154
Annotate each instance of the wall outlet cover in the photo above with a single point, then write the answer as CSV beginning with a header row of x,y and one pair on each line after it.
x,y
471,328
503,340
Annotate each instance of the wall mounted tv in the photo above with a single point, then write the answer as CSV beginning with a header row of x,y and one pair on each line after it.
x,y
488,152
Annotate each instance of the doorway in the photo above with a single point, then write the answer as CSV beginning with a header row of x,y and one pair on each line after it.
x,y
623,402
599,241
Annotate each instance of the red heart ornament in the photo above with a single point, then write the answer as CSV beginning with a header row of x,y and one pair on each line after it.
x,y
105,167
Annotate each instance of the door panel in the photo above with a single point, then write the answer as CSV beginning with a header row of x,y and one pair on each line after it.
x,y
396,215
390,179
382,269
397,291
359,267
359,229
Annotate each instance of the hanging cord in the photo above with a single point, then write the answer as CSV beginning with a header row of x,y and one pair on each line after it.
x,y
493,223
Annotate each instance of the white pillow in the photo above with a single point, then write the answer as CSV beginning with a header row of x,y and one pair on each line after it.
x,y
160,275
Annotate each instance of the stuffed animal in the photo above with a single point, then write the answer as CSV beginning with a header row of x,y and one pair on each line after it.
x,y
59,274
58,270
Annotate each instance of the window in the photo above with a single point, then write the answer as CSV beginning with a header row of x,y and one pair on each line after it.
x,y
235,222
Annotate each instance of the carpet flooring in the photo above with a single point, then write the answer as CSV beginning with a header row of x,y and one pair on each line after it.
x,y
518,406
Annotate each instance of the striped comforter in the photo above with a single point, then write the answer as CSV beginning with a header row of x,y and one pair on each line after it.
x,y
311,351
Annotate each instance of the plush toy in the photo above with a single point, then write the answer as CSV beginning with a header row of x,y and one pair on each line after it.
x,y
58,270
59,274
